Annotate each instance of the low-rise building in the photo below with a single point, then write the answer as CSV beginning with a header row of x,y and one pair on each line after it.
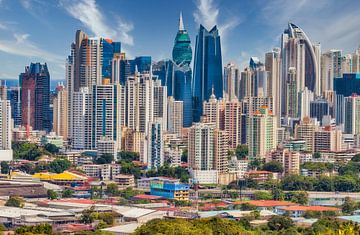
x,y
298,211
124,181
101,171
170,189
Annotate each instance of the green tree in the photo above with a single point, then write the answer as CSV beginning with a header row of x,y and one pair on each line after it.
x,y
241,151
128,193
15,201
277,194
106,158
59,165
26,150
4,167
273,166
262,195
297,182
300,197
184,156
356,158
349,206
128,156
351,169
51,194
86,215
345,184
67,193
316,155
277,223
40,229
51,148
255,164
112,189
324,184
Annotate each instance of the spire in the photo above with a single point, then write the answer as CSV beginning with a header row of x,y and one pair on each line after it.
x,y
181,23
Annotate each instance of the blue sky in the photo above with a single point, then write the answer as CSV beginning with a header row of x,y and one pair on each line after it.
x,y
42,30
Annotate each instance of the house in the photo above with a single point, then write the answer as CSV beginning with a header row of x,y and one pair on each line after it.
x,y
298,211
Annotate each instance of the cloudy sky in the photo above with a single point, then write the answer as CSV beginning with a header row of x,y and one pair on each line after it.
x,y
42,30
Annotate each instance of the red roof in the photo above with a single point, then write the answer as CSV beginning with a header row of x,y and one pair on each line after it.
x,y
310,208
167,209
69,200
265,203
259,172
74,227
147,197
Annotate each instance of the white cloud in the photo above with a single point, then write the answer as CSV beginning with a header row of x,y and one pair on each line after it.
x,y
207,14
22,46
89,14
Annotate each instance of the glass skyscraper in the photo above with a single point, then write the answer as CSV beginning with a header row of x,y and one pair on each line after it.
x,y
207,69
181,85
109,48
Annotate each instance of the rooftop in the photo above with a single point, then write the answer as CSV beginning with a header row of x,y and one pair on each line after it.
x,y
310,208
265,203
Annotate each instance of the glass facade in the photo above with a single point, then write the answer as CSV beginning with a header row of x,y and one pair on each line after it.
x,y
109,48
207,69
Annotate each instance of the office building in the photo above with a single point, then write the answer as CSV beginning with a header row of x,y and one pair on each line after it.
x,y
339,109
60,112
207,69
348,84
15,102
169,189
298,51
272,66
231,81
35,97
319,108
261,133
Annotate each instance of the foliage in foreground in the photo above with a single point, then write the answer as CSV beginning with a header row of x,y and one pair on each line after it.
x,y
277,225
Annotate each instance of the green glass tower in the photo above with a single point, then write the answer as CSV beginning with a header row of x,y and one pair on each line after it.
x,y
182,53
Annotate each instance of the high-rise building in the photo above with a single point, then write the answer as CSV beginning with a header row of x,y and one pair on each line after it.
x,y
155,157
160,103
298,51
175,116
304,98
355,68
261,133
348,84
213,110
207,69
60,112
82,110
231,81
292,95
221,149
232,122
15,102
290,160
339,109
35,97
352,115
319,108
5,131
328,139
106,115
305,130
3,90
330,69
253,103
272,66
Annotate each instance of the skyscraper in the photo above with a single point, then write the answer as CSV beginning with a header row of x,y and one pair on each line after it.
x,y
261,133
330,69
272,66
35,97
5,131
298,51
175,115
60,112
15,102
207,69
182,74
231,81
352,115
155,158
291,96
319,108
305,130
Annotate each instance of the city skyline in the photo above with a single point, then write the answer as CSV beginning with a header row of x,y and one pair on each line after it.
x,y
247,29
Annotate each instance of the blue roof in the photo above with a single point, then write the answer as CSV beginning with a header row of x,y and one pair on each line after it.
x,y
353,218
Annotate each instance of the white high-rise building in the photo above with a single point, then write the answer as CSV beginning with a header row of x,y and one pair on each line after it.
x,y
212,111
175,116
81,119
231,80
352,115
160,103
107,117
330,69
304,98
356,61
5,131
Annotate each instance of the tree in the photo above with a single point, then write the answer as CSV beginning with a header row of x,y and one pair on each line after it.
x,y
324,184
184,156
128,156
4,167
59,165
262,195
15,201
86,216
277,194
349,206
241,151
35,229
273,166
26,150
345,184
297,182
112,189
350,169
128,193
277,223
67,193
316,155
106,158
51,148
51,194
356,158
300,197
255,164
